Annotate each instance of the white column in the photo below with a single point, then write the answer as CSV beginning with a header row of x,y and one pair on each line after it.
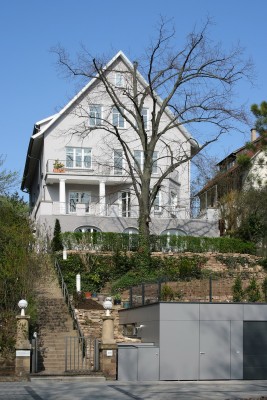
x,y
62,196
102,197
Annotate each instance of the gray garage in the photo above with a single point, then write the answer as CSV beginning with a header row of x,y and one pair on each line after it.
x,y
195,341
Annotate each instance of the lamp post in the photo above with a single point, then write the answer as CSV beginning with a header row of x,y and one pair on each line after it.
x,y
23,304
23,346
108,306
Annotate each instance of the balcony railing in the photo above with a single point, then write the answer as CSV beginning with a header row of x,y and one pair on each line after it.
x,y
95,168
109,210
84,168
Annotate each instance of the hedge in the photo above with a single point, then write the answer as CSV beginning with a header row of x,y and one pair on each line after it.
x,y
110,241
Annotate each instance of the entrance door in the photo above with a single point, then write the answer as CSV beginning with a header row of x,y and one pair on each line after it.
x,y
214,360
79,197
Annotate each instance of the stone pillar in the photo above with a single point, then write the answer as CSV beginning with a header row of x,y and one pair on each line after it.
x,y
23,346
62,196
108,348
102,198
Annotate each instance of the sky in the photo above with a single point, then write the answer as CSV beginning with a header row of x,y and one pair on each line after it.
x,y
32,88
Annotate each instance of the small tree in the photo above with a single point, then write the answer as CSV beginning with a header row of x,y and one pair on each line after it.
x,y
57,240
253,291
238,293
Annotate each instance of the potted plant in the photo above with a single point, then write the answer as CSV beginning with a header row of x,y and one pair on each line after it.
x,y
58,166
117,299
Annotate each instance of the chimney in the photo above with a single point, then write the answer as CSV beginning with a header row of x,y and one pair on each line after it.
x,y
253,134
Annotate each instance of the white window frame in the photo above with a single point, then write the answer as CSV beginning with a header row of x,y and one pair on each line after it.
x,y
119,79
118,170
117,118
79,198
174,199
144,114
95,115
139,157
125,199
157,203
78,157
87,228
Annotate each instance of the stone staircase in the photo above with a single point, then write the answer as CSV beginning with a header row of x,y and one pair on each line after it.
x,y
54,325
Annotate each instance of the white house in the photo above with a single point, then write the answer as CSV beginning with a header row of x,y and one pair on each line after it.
x,y
76,170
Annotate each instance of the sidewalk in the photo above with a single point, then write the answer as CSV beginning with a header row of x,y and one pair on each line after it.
x,y
113,390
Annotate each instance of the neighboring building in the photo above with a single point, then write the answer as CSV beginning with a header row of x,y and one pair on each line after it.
x,y
241,169
82,179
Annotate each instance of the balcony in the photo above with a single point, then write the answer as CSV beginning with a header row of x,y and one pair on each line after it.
x,y
83,170
108,210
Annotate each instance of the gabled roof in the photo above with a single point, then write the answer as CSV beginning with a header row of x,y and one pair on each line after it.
x,y
38,132
129,64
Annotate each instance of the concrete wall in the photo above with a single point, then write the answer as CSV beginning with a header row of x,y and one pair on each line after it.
x,y
118,224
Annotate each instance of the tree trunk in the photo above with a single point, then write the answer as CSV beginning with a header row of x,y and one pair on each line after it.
x,y
144,218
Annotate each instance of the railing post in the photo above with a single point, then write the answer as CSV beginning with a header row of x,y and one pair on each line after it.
x,y
96,355
143,294
210,287
131,296
159,290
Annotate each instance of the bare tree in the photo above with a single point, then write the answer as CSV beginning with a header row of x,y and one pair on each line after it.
x,y
186,86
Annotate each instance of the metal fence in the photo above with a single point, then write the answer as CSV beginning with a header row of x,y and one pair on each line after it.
x,y
196,290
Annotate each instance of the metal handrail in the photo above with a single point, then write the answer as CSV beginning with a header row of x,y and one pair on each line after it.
x,y
66,296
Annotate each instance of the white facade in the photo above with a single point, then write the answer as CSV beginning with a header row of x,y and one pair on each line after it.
x,y
94,189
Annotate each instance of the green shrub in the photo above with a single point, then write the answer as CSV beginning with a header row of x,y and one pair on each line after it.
x,y
122,242
238,293
167,293
253,291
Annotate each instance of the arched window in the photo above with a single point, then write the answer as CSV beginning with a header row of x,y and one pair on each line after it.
x,y
174,231
90,229
170,233
131,230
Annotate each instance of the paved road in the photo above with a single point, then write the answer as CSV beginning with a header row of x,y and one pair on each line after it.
x,y
74,390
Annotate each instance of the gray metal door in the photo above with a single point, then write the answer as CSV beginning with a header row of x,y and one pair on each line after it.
x,y
255,349
214,361
148,364
127,363
236,349
179,350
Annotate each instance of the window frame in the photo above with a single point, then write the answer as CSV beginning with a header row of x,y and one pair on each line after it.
x,y
97,119
79,201
117,118
140,160
119,79
157,207
127,212
145,117
117,170
85,152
